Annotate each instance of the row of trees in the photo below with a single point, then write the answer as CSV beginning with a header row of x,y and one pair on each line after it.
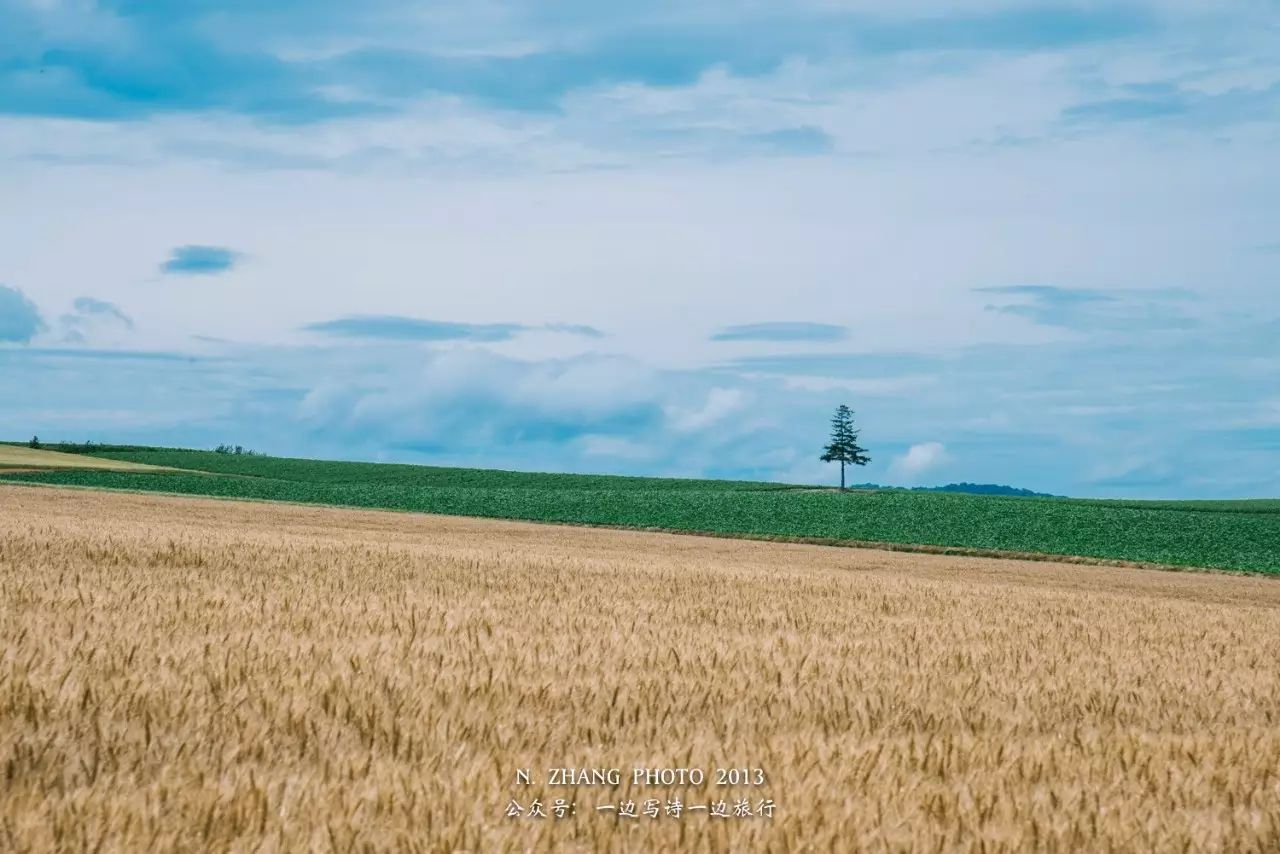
x,y
90,446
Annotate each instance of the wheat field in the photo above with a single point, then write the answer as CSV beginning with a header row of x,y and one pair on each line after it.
x,y
21,458
187,674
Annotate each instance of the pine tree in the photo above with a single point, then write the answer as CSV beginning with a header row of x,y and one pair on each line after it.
x,y
844,447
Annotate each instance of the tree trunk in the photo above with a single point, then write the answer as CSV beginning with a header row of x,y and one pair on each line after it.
x,y
842,475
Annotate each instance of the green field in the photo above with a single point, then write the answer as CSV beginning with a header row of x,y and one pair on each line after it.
x,y
1239,535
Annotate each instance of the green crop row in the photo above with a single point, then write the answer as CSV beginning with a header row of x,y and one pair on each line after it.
x,y
340,472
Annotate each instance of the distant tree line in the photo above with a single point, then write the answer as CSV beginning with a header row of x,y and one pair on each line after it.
x,y
237,450
91,447
86,447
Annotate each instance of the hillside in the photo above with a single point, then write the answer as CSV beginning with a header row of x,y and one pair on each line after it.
x,y
15,457
967,489
1224,534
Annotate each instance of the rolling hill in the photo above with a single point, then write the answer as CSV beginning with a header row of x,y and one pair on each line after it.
x,y
1236,535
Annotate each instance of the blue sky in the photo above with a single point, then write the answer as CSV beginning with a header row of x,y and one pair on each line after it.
x,y
1028,243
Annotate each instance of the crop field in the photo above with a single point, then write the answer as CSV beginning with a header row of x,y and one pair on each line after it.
x,y
16,457
1238,535
187,674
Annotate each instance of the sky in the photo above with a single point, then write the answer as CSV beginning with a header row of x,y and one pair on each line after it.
x,y
1027,243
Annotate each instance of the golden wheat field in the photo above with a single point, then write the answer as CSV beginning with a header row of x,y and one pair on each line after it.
x,y
35,459
182,674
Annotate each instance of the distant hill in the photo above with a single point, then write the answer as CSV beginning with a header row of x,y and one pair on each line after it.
x,y
987,489
968,489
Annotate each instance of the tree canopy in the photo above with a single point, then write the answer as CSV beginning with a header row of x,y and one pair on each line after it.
x,y
843,447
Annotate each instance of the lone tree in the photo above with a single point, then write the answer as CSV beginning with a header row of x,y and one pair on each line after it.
x,y
844,447
34,443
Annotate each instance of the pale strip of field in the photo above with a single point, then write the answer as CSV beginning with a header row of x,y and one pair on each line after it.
x,y
18,457
185,674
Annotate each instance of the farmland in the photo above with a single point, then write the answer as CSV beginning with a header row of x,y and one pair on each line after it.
x,y
1242,535
19,458
187,674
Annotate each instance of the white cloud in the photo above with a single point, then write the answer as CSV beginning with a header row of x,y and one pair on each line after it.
x,y
614,448
720,403
878,386
917,461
